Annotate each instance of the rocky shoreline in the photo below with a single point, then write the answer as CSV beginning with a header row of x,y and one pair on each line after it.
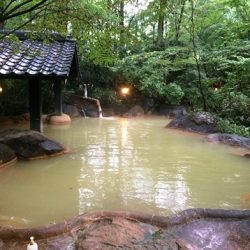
x,y
190,229
204,123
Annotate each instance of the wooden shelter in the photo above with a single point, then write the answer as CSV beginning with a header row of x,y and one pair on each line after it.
x,y
33,58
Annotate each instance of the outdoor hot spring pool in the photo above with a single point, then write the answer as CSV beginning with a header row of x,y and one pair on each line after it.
x,y
122,164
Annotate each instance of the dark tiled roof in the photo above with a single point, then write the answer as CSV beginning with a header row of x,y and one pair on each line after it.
x,y
35,57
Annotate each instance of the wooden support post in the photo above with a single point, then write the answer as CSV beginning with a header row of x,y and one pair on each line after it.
x,y
58,88
35,105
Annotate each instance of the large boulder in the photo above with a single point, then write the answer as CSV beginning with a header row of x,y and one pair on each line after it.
x,y
87,106
172,111
71,110
230,139
201,122
106,112
148,105
203,118
134,111
28,144
62,119
7,155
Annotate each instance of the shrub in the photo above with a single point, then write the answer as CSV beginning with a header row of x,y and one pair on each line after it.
x,y
227,126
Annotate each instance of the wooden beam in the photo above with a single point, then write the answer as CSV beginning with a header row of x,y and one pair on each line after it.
x,y
35,105
58,88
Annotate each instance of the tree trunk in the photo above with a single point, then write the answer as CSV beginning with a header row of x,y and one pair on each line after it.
x,y
160,27
179,21
122,29
1,25
1,22
199,85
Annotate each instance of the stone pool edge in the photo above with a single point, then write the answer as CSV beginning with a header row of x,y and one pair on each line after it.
x,y
70,228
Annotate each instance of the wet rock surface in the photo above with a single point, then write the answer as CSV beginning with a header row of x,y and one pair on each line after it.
x,y
215,234
201,122
28,144
190,229
230,139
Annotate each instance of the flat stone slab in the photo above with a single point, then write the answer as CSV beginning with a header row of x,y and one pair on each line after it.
x,y
193,229
28,144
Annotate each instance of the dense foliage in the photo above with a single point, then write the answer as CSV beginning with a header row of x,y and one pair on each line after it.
x,y
190,52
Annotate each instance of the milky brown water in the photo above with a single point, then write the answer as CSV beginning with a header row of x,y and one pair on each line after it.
x,y
123,164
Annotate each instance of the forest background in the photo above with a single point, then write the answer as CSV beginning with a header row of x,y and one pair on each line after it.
x,y
175,52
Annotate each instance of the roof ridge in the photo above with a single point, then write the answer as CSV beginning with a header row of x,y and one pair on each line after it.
x,y
26,35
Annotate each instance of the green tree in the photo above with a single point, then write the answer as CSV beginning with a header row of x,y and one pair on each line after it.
x,y
11,9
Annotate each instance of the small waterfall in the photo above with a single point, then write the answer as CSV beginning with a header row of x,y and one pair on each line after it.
x,y
82,112
99,108
98,104
85,91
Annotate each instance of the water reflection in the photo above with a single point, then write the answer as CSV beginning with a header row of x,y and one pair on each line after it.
x,y
130,164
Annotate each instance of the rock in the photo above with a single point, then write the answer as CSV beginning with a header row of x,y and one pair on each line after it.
x,y
106,112
247,156
203,118
23,118
71,110
58,119
117,232
134,111
172,111
196,235
60,243
28,144
7,155
215,229
230,139
148,105
87,106
194,123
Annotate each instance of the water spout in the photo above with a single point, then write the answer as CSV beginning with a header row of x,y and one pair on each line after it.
x,y
69,29
85,91
99,108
